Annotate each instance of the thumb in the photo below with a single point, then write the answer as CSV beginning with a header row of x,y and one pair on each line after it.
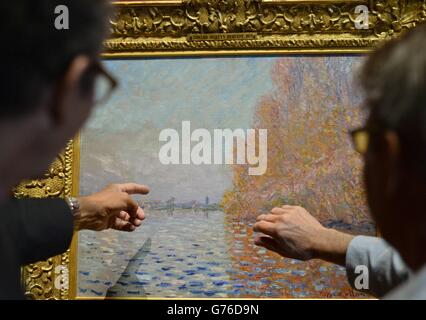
x,y
267,242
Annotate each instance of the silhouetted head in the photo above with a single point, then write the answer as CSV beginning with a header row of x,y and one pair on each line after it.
x,y
48,79
394,80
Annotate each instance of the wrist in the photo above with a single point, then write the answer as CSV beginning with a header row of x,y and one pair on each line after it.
x,y
320,243
331,245
76,205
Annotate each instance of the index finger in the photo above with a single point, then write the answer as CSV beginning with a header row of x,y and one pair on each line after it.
x,y
133,188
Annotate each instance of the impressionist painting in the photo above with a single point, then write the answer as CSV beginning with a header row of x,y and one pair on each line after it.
x,y
197,239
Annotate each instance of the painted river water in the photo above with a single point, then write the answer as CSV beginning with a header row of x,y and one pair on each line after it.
x,y
196,254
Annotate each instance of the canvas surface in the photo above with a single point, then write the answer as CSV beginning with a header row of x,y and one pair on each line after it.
x,y
197,239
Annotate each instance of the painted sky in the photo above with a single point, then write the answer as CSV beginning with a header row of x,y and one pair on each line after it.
x,y
120,142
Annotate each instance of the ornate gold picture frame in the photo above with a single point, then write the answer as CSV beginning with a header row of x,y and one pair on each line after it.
x,y
196,27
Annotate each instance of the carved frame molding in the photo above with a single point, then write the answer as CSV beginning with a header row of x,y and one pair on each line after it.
x,y
191,27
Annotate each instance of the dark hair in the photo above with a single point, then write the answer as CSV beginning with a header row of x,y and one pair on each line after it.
x,y
35,53
394,81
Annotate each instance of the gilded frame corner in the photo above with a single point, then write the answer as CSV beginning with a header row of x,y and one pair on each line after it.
x,y
168,28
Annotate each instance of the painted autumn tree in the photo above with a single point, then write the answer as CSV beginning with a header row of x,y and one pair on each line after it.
x,y
311,161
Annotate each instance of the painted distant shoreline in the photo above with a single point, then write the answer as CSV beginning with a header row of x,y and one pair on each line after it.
x,y
194,205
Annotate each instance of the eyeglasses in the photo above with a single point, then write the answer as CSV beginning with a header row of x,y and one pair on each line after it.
x,y
105,84
361,140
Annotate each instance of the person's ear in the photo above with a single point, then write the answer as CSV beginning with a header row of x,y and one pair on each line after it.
x,y
68,90
393,161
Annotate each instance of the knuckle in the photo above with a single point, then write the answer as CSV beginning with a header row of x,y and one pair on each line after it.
x,y
124,196
258,227
283,219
